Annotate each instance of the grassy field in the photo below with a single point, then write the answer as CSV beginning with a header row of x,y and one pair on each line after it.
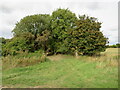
x,y
64,71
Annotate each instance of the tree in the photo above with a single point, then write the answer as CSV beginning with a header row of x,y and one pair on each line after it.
x,y
62,32
62,21
3,43
33,24
118,45
23,42
114,46
86,38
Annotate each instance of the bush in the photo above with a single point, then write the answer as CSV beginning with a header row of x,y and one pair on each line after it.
x,y
22,43
6,52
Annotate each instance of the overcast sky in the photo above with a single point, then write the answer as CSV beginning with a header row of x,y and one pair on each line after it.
x,y
11,11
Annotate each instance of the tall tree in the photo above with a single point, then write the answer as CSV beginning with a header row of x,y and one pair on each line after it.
x,y
33,24
86,38
62,21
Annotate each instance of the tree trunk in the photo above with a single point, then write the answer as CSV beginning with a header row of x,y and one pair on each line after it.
x,y
76,53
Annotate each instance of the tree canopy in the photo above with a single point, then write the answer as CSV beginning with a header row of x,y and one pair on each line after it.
x,y
62,21
33,24
86,37
62,32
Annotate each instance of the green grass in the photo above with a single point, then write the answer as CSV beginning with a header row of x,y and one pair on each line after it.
x,y
64,71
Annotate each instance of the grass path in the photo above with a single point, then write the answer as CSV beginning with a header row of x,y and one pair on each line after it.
x,y
62,72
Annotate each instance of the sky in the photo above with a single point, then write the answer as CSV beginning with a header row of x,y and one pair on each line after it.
x,y
11,11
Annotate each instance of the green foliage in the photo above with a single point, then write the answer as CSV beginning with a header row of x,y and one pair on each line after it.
x,y
62,32
37,25
43,40
34,24
62,21
3,40
118,45
88,23
86,38
23,42
114,46
3,50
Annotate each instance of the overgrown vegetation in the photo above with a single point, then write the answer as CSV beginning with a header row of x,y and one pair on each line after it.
x,y
23,59
59,33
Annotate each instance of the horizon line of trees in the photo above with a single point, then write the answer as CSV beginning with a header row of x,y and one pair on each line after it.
x,y
117,45
62,32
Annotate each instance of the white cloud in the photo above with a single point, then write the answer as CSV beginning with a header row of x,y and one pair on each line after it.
x,y
107,12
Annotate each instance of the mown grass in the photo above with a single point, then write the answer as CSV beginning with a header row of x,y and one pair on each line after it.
x,y
64,71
